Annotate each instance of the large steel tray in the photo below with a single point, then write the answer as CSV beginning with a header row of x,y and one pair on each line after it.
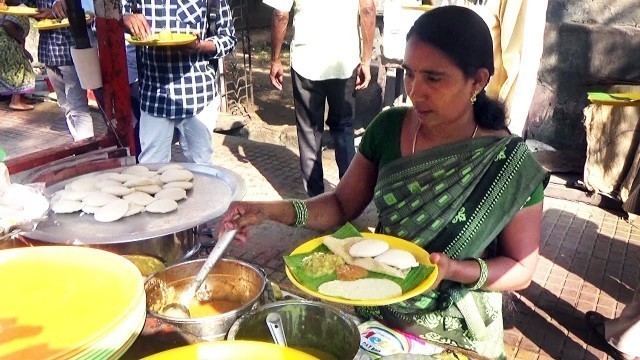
x,y
213,189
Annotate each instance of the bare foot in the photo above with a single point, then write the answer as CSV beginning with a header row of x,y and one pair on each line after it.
x,y
18,103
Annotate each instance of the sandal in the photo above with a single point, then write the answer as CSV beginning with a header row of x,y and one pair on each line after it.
x,y
595,323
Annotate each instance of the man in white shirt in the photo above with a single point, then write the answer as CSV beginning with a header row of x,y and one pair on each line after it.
x,y
328,62
515,79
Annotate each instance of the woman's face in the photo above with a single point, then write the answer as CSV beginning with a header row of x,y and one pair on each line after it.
x,y
438,89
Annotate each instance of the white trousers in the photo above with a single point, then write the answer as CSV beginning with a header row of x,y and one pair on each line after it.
x,y
195,135
72,98
623,332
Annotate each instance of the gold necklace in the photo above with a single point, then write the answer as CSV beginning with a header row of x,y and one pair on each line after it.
x,y
415,136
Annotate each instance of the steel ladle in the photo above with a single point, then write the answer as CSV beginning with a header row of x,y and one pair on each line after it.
x,y
274,322
181,308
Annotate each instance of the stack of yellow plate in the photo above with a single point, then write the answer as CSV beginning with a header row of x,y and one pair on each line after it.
x,y
68,302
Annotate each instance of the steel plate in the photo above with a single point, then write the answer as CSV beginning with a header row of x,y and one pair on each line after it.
x,y
213,189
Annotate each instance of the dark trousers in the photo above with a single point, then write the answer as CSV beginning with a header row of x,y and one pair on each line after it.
x,y
309,99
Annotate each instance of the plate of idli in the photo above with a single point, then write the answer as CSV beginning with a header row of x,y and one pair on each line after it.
x,y
362,269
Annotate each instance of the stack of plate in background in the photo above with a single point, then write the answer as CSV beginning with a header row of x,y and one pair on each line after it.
x,y
68,302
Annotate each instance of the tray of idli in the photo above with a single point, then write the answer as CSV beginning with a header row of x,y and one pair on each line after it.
x,y
362,269
136,202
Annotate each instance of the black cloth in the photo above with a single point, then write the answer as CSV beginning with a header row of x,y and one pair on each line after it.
x,y
309,99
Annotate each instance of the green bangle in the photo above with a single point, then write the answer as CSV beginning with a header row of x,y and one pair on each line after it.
x,y
484,274
301,211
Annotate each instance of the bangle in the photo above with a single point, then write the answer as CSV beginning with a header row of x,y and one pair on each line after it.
x,y
302,214
484,273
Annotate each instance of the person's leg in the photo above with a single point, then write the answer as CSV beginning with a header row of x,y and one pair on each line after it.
x,y
134,90
309,99
196,134
341,100
156,134
18,103
79,118
623,332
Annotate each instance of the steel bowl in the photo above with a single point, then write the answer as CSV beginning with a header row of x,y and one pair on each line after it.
x,y
319,329
230,279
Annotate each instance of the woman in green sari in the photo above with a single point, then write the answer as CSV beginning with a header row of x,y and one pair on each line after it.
x,y
447,175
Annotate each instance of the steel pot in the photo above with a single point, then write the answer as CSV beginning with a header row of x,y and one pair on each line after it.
x,y
319,329
231,280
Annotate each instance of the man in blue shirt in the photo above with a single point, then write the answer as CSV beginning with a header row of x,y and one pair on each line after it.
x,y
177,85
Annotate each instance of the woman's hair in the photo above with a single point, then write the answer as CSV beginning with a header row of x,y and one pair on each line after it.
x,y
463,35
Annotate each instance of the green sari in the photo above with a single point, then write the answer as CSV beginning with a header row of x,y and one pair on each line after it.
x,y
16,73
455,199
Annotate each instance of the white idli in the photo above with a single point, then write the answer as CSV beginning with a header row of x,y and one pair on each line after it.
x,y
66,206
368,248
139,198
84,184
361,289
99,198
134,209
117,190
137,170
67,194
400,259
149,189
170,167
162,206
187,185
172,193
122,177
90,209
176,175
138,181
107,182
112,211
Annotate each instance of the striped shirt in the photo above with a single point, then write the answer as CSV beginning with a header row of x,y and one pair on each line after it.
x,y
174,84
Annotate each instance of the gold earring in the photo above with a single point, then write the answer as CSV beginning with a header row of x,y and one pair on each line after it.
x,y
474,98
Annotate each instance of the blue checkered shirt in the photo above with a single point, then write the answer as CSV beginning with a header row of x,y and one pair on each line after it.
x,y
54,46
173,84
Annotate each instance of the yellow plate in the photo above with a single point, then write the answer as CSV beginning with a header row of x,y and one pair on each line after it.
x,y
58,299
232,350
421,255
19,10
177,39
419,7
620,99
40,25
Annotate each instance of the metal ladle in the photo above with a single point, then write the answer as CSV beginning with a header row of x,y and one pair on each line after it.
x,y
181,308
274,322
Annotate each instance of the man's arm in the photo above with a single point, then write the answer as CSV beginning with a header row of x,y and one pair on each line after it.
x,y
367,30
224,41
278,31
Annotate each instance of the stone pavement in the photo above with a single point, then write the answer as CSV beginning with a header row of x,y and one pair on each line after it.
x,y
590,257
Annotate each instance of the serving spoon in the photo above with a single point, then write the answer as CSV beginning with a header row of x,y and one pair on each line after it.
x,y
274,322
180,309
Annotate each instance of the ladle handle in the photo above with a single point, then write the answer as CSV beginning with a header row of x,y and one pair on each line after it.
x,y
274,322
212,259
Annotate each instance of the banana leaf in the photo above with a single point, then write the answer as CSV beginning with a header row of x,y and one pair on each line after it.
x,y
294,262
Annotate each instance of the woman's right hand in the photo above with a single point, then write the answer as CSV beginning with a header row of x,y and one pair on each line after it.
x,y
240,216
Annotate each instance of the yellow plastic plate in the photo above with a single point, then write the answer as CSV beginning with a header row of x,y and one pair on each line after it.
x,y
232,350
421,255
153,40
418,7
620,99
59,299
42,25
19,10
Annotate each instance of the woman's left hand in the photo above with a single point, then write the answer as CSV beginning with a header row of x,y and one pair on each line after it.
x,y
444,264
